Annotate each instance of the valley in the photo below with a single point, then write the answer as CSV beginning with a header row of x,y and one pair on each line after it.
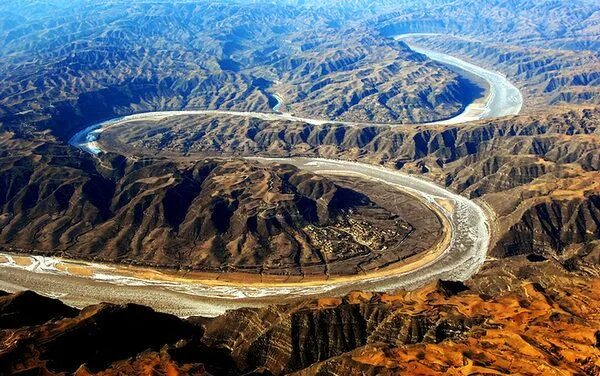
x,y
457,259
295,187
459,249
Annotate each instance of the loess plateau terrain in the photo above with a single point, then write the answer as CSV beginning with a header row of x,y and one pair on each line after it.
x,y
192,195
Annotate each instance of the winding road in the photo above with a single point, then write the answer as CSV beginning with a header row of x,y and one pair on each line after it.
x,y
464,254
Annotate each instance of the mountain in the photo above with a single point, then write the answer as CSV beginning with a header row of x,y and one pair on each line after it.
x,y
209,215
63,68
438,330
537,173
181,194
547,77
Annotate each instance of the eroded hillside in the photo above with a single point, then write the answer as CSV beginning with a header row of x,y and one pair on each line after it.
x,y
65,67
209,215
435,331
538,173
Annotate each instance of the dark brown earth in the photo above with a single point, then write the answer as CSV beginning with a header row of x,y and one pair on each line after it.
x,y
207,215
537,173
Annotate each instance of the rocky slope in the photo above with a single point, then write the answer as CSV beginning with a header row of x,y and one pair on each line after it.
x,y
210,215
545,76
65,67
546,23
538,173
418,333
85,341
550,328
373,79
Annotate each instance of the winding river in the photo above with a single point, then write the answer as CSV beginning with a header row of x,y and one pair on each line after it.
x,y
461,258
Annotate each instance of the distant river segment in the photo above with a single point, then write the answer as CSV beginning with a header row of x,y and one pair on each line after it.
x,y
503,99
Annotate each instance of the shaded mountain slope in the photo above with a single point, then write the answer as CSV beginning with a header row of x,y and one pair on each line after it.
x,y
538,173
431,331
211,215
